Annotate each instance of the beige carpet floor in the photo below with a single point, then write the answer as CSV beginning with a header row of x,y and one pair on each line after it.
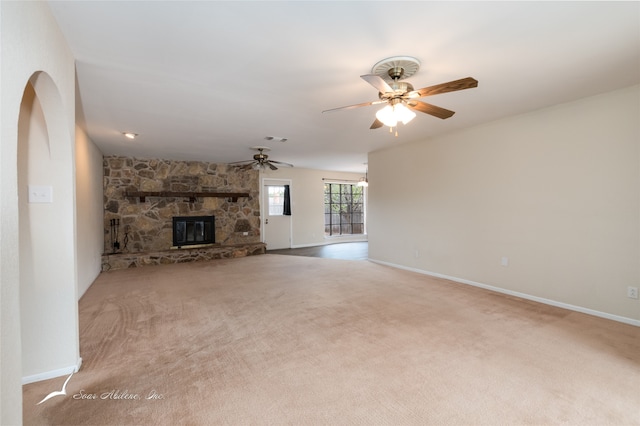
x,y
289,340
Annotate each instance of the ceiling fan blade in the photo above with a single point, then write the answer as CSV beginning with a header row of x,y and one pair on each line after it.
x,y
452,86
241,163
436,111
271,166
377,82
243,166
355,106
280,163
376,124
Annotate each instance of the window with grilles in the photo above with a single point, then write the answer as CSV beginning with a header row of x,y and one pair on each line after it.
x,y
343,209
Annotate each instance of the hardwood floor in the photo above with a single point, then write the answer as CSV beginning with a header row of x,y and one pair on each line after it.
x,y
348,251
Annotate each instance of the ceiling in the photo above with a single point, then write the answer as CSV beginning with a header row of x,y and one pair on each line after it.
x,y
207,80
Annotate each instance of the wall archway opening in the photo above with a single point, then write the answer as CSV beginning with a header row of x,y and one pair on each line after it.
x,y
46,229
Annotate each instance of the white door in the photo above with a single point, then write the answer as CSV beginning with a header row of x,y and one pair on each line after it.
x,y
276,226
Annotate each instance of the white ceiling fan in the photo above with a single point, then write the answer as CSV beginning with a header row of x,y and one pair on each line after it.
x,y
400,97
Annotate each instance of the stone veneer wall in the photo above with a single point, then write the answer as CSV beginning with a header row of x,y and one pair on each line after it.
x,y
148,224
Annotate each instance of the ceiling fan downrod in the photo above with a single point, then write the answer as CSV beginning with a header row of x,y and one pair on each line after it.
x,y
396,73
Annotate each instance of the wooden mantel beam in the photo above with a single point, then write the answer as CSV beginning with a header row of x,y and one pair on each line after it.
x,y
191,195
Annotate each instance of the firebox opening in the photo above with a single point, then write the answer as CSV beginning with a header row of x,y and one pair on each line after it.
x,y
193,230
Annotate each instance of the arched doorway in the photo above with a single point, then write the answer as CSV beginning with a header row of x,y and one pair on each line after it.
x,y
48,284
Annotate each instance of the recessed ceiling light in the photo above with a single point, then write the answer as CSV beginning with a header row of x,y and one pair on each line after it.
x,y
130,135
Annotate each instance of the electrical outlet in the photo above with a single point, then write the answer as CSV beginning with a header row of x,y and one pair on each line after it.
x,y
504,261
40,194
632,292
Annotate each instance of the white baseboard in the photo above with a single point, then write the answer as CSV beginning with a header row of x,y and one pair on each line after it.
x,y
593,312
65,371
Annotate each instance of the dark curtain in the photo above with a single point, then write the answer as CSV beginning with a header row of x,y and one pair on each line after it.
x,y
287,201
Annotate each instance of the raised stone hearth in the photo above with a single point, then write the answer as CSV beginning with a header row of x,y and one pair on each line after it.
x,y
112,262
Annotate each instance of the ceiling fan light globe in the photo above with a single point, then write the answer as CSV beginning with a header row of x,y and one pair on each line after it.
x,y
391,114
387,116
404,114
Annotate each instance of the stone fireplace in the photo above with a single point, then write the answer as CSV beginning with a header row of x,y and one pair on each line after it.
x,y
145,195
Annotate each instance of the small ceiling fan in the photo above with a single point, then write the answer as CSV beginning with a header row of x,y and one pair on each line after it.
x,y
400,97
261,160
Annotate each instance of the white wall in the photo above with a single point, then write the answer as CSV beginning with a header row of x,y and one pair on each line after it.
x,y
89,210
556,191
307,204
33,50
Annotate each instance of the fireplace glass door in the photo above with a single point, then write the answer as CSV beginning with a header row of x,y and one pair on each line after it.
x,y
192,230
